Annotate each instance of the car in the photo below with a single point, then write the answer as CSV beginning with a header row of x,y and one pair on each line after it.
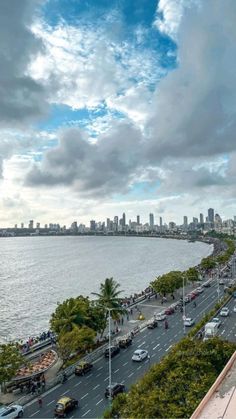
x,y
115,389
82,368
64,406
139,355
187,299
234,309
224,312
221,282
114,351
124,343
12,411
192,296
152,324
169,310
207,284
160,316
199,290
216,320
188,321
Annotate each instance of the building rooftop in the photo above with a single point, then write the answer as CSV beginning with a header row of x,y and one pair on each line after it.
x,y
220,401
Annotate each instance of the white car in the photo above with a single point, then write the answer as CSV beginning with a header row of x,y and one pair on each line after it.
x,y
234,309
188,321
200,290
216,320
12,411
224,312
139,355
160,316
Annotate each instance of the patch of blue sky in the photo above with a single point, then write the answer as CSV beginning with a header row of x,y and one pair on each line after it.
x,y
64,116
140,191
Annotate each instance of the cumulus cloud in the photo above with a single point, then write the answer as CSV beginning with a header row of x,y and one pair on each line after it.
x,y
192,114
21,97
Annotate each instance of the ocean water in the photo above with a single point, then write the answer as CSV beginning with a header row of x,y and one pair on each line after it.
x,y
38,272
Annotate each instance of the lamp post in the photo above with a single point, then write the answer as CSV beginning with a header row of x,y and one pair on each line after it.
x,y
218,282
184,308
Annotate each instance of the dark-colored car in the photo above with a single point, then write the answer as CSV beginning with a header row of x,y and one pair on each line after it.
x,y
115,389
206,284
82,368
124,343
152,324
114,351
64,406
169,310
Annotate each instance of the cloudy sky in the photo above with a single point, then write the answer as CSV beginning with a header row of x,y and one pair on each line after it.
x,y
116,105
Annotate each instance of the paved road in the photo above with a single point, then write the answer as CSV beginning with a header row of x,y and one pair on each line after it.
x,y
89,390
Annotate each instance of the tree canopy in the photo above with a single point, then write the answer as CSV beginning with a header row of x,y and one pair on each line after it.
x,y
10,361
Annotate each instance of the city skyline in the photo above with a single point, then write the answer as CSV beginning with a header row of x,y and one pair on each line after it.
x,y
107,105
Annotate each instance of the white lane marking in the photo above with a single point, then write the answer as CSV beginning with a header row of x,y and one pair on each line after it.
x,y
106,379
153,355
143,330
140,366
100,368
98,385
125,364
156,346
35,413
85,395
50,402
168,348
118,369
86,413
141,344
70,378
98,375
44,394
223,331
175,336
90,375
130,375
65,392
100,401
159,350
77,384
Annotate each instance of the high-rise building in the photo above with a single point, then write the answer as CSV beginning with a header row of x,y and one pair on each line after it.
x,y
22,225
195,220
138,219
151,221
92,225
185,221
31,224
201,219
123,220
38,225
211,215
161,224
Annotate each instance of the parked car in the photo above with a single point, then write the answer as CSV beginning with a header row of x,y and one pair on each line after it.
x,y
64,406
224,312
160,316
13,411
221,282
199,290
188,321
115,389
207,284
234,309
114,351
192,296
140,355
169,310
152,324
82,368
124,343
187,299
216,320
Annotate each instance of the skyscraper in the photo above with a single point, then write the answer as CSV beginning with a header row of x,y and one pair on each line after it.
x,y
151,221
138,219
123,220
185,221
211,215
201,219
161,224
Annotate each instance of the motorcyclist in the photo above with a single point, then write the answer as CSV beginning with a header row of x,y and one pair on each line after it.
x,y
64,377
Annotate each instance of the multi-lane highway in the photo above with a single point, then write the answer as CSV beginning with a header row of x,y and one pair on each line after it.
x,y
89,389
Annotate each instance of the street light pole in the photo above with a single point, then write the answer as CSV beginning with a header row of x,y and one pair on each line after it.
x,y
109,340
218,282
184,311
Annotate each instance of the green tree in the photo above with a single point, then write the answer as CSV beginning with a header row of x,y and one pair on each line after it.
x,y
72,313
10,361
109,297
192,275
75,341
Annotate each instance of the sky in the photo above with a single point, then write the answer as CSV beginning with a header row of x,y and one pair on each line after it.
x,y
112,106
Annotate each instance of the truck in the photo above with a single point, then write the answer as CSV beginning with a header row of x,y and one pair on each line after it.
x,y
210,330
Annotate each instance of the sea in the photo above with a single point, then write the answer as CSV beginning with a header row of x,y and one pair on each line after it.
x,y
38,272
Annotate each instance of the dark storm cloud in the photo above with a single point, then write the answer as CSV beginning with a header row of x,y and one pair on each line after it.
x,y
96,169
21,98
193,114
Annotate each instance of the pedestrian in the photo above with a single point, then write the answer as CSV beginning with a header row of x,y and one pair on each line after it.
x,y
40,402
131,311
127,317
166,324
122,321
194,304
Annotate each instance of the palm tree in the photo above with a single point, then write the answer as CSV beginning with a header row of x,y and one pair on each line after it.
x,y
68,315
109,297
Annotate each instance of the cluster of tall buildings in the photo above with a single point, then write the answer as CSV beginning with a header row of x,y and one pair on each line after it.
x,y
204,223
